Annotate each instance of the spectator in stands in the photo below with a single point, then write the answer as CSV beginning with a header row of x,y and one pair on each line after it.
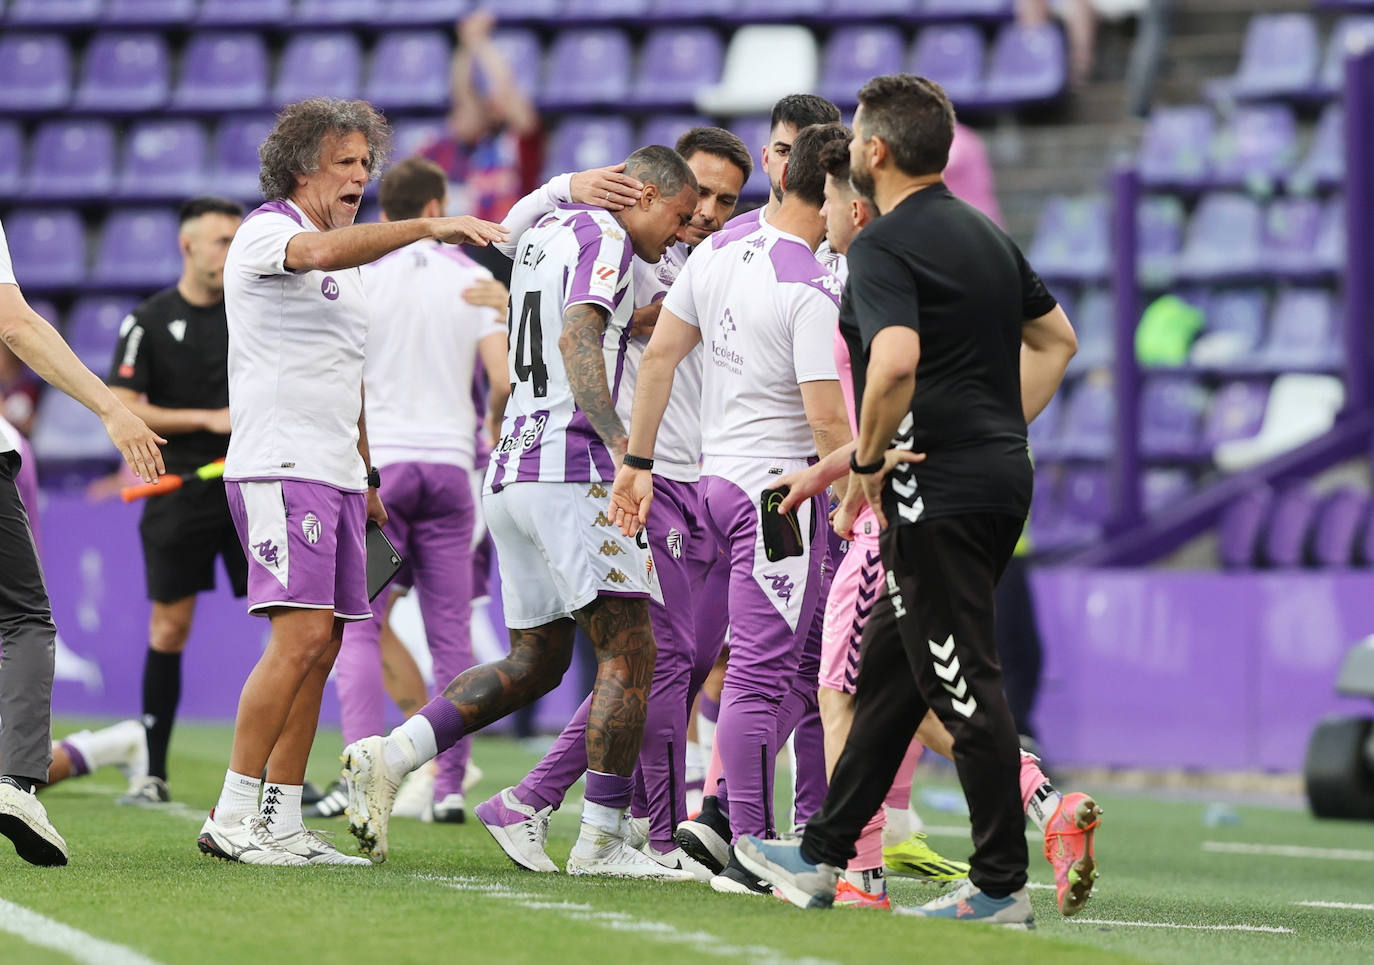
x,y
969,173
1080,23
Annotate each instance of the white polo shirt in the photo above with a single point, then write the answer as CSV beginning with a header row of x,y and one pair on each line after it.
x,y
296,342
421,355
6,278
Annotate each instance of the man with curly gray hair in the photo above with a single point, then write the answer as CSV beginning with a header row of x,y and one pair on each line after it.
x,y
297,471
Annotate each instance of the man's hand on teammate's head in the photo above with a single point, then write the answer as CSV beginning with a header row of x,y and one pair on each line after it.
x,y
467,230
217,421
631,495
136,443
375,510
607,187
487,293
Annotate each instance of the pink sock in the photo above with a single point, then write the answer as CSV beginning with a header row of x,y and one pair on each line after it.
x,y
713,770
899,795
1038,796
869,847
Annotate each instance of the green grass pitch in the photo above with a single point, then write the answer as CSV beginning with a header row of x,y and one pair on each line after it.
x,y
448,894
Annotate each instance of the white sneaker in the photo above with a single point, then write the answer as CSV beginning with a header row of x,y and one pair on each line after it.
x,y
371,790
145,791
636,832
519,829
608,855
415,799
316,848
472,776
453,809
24,820
679,859
248,842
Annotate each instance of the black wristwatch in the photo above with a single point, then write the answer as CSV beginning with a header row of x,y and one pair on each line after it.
x,y
374,478
638,462
868,470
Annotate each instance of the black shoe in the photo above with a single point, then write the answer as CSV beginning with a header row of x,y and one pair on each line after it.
x,y
706,837
311,794
331,805
735,879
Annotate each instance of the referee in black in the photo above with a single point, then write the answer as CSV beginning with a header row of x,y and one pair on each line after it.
x,y
963,346
170,368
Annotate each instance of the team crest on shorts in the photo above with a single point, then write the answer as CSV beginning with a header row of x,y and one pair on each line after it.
x,y
675,544
310,526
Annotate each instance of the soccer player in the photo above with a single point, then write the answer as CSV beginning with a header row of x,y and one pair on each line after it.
x,y
169,368
963,347
562,562
299,483
765,309
422,349
689,624
27,633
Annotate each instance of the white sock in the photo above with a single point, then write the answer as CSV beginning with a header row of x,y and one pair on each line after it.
x,y
601,817
871,880
706,734
898,827
418,746
696,760
1043,803
281,806
238,799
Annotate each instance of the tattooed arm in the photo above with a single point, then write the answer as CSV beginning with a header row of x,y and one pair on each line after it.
x,y
584,325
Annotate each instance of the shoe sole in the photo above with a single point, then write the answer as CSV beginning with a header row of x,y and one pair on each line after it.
x,y
371,839
1083,872
504,842
206,843
30,844
784,884
702,844
459,818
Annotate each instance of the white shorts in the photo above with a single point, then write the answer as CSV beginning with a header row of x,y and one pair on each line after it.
x,y
558,550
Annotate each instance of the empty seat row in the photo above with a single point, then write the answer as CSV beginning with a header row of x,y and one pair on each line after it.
x,y
1073,502
135,249
1282,56
1297,527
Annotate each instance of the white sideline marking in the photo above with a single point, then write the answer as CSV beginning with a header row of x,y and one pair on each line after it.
x,y
72,942
1267,929
700,941
1347,905
1287,851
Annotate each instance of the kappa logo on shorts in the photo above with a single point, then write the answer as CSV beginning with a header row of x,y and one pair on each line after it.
x,y
674,542
597,491
267,553
310,526
615,576
602,519
782,585
611,548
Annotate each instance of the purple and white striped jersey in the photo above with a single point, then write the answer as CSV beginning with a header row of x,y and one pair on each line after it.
x,y
576,255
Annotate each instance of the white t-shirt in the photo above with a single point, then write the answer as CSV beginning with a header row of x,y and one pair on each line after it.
x,y
421,354
6,278
767,310
576,255
296,343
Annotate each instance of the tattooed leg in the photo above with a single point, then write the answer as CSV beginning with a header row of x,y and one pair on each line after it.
x,y
537,660
625,654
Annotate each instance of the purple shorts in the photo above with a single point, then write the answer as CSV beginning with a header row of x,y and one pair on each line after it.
x,y
305,545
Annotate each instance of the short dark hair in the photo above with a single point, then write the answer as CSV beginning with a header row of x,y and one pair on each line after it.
x,y
913,117
803,110
835,160
661,166
805,173
194,208
409,185
718,142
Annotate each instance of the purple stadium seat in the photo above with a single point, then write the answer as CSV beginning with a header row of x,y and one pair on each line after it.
x,y
1072,239
11,158
1161,488
66,431
35,73
1159,238
48,247
1324,164
1242,522
1291,226
235,172
1256,147
1086,427
1026,65
1085,499
850,10
1351,33
1174,149
1171,410
149,13
164,160
754,132
674,63
1236,412
1364,547
329,13
1223,238
52,13
522,49
1279,58
1284,543
760,11
1340,517
667,128
410,70
966,9
539,10
223,71
1330,254
952,56
71,159
326,63
1302,331
124,73
137,250
423,12
695,10
588,142
411,135
589,67
1239,314
607,9
243,13
92,328
853,55
1093,320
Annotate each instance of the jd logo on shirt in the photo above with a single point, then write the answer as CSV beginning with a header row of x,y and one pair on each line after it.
x,y
329,288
